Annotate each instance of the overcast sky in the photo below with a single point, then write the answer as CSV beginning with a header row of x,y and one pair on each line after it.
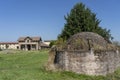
x,y
45,18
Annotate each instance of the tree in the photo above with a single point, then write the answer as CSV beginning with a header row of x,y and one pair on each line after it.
x,y
81,19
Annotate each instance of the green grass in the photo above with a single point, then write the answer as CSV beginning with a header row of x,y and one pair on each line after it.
x,y
29,65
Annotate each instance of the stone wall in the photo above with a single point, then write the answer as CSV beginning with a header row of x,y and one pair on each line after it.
x,y
88,62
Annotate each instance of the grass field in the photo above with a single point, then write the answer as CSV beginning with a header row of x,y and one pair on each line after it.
x,y
23,65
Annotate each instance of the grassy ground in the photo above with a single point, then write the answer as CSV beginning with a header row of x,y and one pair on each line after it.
x,y
22,65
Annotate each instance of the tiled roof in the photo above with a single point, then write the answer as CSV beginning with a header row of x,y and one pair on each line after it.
x,y
21,39
36,38
32,38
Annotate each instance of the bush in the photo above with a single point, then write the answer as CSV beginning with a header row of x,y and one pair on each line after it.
x,y
52,43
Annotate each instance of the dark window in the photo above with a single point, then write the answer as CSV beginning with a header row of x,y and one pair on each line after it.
x,y
28,41
34,46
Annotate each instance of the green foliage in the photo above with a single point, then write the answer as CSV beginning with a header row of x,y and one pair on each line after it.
x,y
81,19
104,33
59,43
52,43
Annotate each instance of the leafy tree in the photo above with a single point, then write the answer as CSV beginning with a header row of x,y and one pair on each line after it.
x,y
81,19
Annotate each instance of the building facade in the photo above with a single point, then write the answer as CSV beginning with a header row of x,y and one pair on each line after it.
x,y
9,45
29,43
23,43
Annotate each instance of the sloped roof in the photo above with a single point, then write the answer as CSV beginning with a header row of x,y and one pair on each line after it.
x,y
21,39
32,38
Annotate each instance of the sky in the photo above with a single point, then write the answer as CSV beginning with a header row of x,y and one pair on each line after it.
x,y
45,18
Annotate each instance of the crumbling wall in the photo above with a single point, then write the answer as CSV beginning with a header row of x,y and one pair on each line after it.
x,y
85,53
87,62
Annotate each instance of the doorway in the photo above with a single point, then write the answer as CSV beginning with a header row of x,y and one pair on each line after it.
x,y
28,47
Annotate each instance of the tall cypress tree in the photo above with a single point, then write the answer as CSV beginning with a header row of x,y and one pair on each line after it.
x,y
81,19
